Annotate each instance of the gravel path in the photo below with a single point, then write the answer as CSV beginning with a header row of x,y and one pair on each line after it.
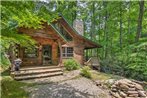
x,y
68,85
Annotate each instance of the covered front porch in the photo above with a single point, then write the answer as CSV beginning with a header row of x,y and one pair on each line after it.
x,y
45,53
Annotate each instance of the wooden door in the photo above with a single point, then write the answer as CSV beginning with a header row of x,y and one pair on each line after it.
x,y
47,54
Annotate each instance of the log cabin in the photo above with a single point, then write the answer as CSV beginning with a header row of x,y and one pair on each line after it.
x,y
56,42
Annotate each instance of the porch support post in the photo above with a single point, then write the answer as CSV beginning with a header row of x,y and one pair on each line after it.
x,y
40,59
60,48
12,56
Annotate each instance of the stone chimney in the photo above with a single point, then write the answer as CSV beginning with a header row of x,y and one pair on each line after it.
x,y
78,26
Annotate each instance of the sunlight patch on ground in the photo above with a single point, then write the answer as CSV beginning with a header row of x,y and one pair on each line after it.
x,y
96,75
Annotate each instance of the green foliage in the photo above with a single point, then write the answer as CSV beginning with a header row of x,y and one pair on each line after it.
x,y
12,89
85,71
71,64
4,61
14,14
12,39
130,62
137,61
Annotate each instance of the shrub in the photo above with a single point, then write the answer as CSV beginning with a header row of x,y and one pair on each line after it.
x,y
71,64
85,71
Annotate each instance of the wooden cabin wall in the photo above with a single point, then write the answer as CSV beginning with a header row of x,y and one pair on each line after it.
x,y
41,40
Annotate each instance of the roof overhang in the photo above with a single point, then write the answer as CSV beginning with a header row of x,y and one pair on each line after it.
x,y
89,44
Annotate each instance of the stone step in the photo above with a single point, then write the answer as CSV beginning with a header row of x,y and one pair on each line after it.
x,y
39,68
38,76
38,71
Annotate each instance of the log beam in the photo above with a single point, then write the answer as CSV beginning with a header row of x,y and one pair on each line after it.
x,y
60,48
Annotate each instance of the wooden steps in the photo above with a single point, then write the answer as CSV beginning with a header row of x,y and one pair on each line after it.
x,y
37,72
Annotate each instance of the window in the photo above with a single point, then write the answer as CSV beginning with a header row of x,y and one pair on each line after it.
x,y
67,52
65,34
62,31
30,52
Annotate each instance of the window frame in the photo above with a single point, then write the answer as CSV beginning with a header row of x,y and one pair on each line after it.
x,y
25,54
66,53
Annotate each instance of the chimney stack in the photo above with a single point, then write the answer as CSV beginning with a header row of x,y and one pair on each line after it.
x,y
78,26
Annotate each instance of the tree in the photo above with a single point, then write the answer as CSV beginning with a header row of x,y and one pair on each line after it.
x,y
140,18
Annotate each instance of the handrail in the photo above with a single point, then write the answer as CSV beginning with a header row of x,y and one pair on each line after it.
x,y
88,61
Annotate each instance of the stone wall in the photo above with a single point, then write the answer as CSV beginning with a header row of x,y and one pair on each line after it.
x,y
125,88
78,26
78,51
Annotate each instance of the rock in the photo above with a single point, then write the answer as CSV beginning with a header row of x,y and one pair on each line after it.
x,y
104,87
114,89
122,82
117,95
130,97
123,86
126,80
98,83
132,89
113,86
142,94
131,85
133,95
138,86
122,94
110,81
132,92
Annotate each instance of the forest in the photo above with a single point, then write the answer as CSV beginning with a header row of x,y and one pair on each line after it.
x,y
119,26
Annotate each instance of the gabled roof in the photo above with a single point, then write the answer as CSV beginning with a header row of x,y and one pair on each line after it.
x,y
70,30
89,43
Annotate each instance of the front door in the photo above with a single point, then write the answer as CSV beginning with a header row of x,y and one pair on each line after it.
x,y
47,55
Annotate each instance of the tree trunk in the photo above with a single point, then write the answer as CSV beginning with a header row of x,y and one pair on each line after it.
x,y
12,55
129,33
129,18
106,31
74,13
120,36
140,17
